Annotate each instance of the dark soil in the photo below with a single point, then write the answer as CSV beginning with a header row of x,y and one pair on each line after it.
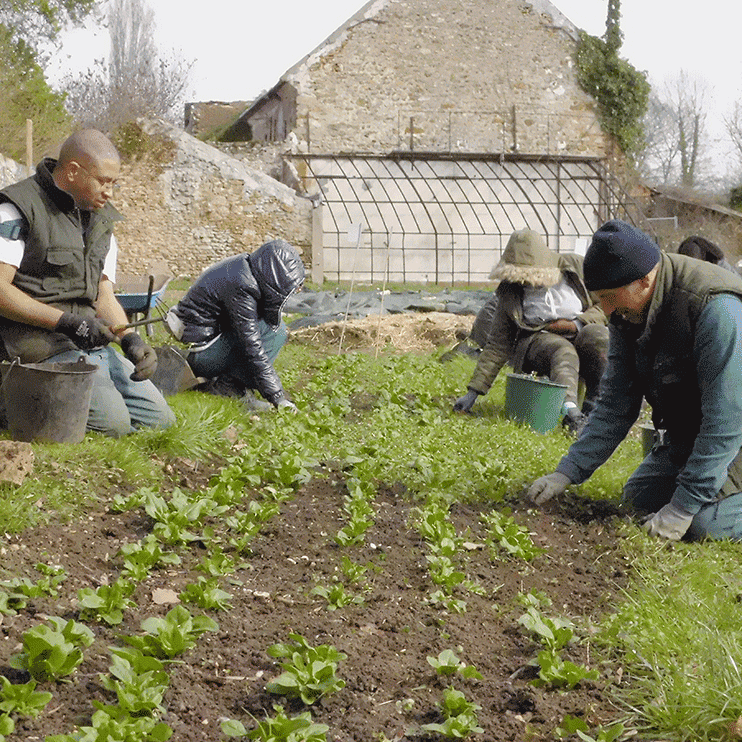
x,y
386,639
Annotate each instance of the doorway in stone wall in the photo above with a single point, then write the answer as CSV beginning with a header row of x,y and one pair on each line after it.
x,y
416,218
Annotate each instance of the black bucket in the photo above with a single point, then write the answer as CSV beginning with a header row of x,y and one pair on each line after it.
x,y
47,401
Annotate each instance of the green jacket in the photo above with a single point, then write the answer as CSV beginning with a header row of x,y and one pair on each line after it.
x,y
65,250
510,337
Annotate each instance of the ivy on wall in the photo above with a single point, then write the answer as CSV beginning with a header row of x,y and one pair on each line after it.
x,y
621,91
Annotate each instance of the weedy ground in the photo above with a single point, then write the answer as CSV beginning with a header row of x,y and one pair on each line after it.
x,y
368,569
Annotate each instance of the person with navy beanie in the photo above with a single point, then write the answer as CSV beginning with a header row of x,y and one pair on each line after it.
x,y
675,342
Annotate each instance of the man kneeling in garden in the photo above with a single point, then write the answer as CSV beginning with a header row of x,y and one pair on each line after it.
x,y
676,341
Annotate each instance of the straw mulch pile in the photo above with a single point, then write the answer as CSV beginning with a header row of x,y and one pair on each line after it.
x,y
417,332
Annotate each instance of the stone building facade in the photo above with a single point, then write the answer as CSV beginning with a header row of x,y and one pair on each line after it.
x,y
436,75
426,131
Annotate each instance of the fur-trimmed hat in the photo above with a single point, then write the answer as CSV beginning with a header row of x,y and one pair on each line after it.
x,y
619,254
527,260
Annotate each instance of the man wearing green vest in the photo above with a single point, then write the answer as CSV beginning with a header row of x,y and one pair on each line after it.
x,y
675,340
57,268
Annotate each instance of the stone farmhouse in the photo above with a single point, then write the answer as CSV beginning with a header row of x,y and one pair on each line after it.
x,y
426,131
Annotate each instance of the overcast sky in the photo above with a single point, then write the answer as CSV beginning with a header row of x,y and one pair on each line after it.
x,y
242,47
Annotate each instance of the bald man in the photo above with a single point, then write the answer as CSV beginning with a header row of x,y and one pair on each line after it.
x,y
57,268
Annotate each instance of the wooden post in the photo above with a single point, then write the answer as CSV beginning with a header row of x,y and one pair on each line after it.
x,y
318,258
29,145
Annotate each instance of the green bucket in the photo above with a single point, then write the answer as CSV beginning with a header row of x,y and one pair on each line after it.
x,y
536,401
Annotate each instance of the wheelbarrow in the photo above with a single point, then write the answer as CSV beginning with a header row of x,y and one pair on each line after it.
x,y
140,294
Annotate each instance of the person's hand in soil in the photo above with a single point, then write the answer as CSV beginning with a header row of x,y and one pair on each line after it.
x,y
670,522
465,403
548,486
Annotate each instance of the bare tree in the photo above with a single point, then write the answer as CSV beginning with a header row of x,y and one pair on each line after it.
x,y
733,126
677,140
137,81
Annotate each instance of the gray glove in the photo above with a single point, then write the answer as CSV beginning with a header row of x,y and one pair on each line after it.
x,y
670,522
544,488
286,404
465,403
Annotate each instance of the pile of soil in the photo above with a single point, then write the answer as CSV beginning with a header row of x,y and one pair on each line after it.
x,y
390,688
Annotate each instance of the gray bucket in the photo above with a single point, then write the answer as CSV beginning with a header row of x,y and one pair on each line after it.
x,y
47,401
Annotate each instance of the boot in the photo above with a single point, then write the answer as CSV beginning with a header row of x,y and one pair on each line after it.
x,y
223,386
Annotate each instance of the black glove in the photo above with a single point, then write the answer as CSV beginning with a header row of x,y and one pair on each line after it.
x,y
465,403
141,355
85,332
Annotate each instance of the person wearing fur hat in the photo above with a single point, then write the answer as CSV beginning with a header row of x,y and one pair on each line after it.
x,y
675,341
699,247
544,321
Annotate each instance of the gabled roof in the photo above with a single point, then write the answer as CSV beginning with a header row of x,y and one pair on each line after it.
x,y
366,13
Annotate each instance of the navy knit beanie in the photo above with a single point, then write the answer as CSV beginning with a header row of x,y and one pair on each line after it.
x,y
618,255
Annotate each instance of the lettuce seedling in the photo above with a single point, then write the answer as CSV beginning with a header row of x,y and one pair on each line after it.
x,y
141,557
107,603
460,716
279,728
114,724
207,594
53,652
170,636
138,680
448,663
308,672
22,699
336,596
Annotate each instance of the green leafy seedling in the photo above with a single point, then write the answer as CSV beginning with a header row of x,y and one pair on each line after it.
x,y
138,680
460,716
115,724
107,603
170,636
336,596
143,556
559,673
308,672
279,728
447,663
22,699
53,652
207,594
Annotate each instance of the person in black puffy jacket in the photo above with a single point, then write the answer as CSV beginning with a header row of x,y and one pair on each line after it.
x,y
231,317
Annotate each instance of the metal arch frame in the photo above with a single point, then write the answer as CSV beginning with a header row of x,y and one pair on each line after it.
x,y
566,194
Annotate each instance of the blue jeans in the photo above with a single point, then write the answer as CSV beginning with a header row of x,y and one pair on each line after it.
x,y
225,357
119,405
652,485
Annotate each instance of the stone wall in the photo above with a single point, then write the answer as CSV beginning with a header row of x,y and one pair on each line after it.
x,y
201,207
441,75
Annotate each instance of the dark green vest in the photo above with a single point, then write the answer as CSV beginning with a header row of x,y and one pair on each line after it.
x,y
62,261
664,358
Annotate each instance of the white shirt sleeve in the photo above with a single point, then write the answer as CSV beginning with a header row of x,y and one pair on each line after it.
x,y
11,251
109,267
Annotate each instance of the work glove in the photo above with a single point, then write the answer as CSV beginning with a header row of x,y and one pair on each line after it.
x,y
141,355
546,487
670,522
284,404
85,332
465,403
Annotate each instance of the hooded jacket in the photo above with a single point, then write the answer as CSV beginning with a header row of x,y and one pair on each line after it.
x,y
232,295
526,261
